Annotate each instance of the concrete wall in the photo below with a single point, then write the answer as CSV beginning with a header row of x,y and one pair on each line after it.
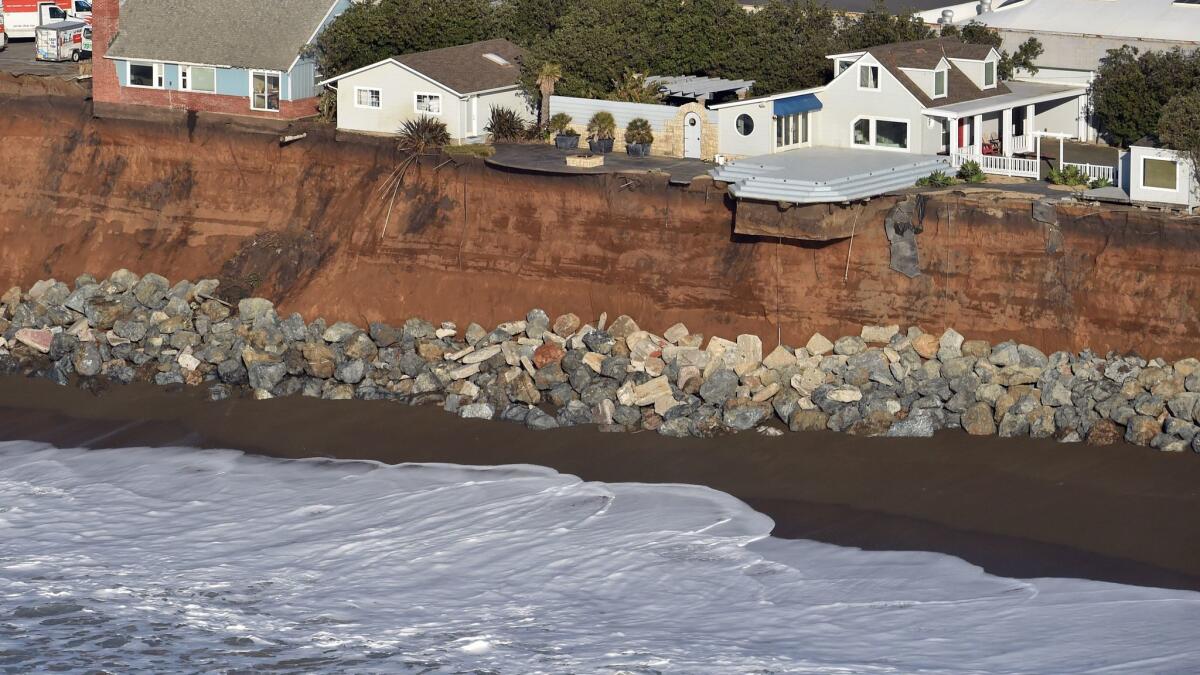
x,y
398,88
843,103
1187,192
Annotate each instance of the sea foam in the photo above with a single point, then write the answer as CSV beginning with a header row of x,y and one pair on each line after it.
x,y
174,560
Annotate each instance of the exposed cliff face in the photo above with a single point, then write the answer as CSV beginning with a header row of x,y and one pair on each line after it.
x,y
304,225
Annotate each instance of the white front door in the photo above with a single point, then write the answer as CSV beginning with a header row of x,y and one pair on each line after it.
x,y
691,135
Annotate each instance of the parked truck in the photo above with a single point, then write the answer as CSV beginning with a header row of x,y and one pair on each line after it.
x,y
64,41
3,35
22,17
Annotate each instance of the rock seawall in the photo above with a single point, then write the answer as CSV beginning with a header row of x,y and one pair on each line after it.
x,y
546,373
304,225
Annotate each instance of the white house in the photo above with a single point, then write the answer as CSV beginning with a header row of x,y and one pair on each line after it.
x,y
891,114
933,97
1076,34
459,85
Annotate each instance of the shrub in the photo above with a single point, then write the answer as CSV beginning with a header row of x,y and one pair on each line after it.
x,y
422,136
602,126
327,106
1100,183
935,179
639,131
1070,175
970,172
560,124
505,125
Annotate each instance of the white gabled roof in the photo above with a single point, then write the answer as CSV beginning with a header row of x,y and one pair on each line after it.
x,y
1167,20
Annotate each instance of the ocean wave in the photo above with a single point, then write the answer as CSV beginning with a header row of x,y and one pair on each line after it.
x,y
187,560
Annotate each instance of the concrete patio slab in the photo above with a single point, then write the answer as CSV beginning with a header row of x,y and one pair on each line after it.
x,y
541,158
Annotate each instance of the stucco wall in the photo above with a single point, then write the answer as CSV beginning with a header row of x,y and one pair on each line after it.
x,y
760,141
1080,52
1058,116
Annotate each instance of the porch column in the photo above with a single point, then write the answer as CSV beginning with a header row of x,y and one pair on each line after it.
x,y
1030,118
1083,121
977,134
1006,129
1061,145
952,126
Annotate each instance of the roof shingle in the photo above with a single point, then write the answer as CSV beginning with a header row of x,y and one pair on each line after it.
x,y
466,68
239,33
925,55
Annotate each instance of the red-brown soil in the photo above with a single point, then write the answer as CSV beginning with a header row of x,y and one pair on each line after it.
x,y
305,225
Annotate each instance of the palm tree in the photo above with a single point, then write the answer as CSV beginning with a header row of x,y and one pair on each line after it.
x,y
548,76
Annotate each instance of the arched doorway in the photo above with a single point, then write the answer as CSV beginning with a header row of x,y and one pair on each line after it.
x,y
691,135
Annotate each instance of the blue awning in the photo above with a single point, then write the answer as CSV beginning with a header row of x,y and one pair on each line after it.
x,y
794,105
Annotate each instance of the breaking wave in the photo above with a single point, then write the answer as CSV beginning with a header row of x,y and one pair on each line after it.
x,y
186,560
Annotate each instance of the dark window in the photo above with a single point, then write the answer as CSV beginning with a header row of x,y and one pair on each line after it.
x,y
141,75
745,124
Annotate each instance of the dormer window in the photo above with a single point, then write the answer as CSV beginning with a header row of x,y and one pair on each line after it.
x,y
868,77
842,66
939,84
989,74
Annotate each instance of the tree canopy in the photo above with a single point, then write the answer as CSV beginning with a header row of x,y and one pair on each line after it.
x,y
598,44
1132,90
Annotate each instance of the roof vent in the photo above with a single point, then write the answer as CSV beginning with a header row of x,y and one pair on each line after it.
x,y
947,17
496,58
985,6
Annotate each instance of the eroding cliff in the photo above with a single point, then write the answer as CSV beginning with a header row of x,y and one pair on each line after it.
x,y
305,224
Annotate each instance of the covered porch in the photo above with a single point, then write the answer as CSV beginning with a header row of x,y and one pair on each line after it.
x,y
1004,133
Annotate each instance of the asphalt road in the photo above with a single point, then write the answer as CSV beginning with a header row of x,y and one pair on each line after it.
x,y
18,59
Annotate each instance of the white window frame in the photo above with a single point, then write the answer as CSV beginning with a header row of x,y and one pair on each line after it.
x,y
158,74
267,73
1142,174
185,79
842,65
872,136
804,131
878,77
995,74
418,94
379,95
945,83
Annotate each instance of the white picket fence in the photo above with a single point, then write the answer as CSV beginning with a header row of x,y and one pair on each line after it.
x,y
999,164
1096,171
1022,144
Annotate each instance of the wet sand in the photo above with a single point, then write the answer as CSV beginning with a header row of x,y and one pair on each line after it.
x,y
1019,508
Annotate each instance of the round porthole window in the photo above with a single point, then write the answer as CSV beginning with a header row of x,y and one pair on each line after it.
x,y
745,124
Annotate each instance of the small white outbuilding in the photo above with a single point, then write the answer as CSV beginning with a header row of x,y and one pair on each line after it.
x,y
459,85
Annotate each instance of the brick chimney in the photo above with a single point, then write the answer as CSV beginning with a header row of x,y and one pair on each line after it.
x,y
106,15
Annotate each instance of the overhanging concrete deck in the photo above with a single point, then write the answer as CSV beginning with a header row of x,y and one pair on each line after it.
x,y
826,175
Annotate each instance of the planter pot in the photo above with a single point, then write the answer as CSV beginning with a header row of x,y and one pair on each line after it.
x,y
601,145
637,149
566,142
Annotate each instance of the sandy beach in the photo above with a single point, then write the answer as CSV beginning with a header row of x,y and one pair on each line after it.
x,y
1020,508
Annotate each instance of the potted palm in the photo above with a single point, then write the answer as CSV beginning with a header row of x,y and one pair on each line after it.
x,y
638,137
602,129
565,138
